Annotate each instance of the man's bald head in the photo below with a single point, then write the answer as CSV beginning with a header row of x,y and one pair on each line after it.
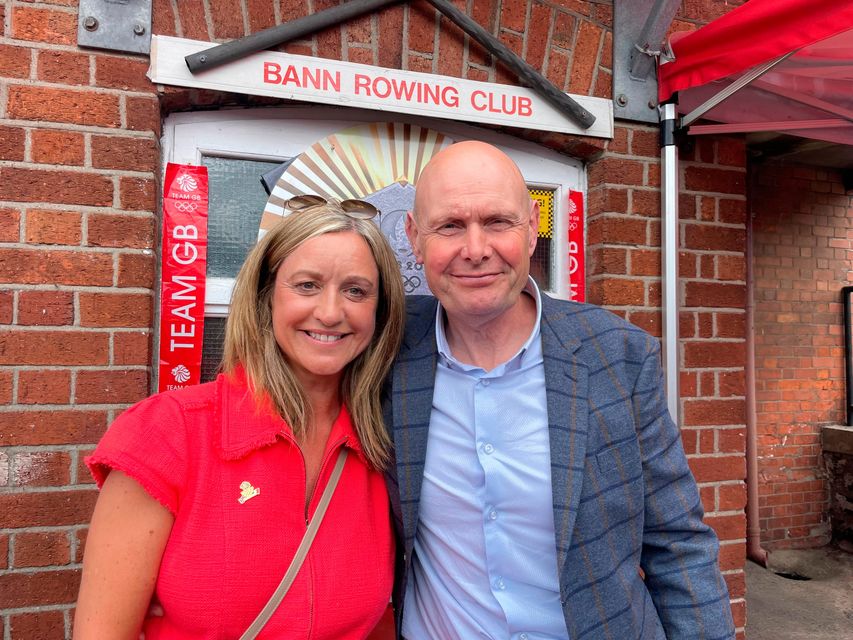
x,y
470,161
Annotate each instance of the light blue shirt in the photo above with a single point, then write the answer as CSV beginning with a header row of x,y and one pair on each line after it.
x,y
485,561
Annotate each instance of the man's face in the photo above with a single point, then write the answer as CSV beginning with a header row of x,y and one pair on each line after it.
x,y
474,231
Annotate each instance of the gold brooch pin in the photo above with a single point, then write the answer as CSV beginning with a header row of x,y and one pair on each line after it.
x,y
247,491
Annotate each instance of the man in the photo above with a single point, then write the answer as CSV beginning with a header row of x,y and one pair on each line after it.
x,y
544,491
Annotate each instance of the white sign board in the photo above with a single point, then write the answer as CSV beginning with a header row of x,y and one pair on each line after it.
x,y
282,75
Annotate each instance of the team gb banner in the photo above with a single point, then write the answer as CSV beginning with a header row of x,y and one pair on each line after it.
x,y
184,247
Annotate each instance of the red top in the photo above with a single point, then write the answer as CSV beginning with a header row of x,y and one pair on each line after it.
x,y
234,478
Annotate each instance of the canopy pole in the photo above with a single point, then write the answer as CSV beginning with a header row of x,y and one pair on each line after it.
x,y
669,256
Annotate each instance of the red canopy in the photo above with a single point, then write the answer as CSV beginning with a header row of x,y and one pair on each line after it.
x,y
809,94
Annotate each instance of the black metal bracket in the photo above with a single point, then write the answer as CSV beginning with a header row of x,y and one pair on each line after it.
x,y
220,54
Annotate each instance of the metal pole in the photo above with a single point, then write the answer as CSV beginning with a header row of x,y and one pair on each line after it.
x,y
527,74
274,36
669,256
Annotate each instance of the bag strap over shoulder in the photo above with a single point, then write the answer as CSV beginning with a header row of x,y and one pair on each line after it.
x,y
301,551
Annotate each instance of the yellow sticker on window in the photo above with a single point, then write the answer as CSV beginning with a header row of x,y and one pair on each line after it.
x,y
545,198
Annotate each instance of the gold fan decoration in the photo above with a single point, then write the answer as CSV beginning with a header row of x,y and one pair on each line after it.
x,y
355,163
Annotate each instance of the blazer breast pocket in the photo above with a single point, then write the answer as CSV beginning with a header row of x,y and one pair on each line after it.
x,y
620,461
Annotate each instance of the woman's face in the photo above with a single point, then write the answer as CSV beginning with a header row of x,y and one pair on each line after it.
x,y
324,306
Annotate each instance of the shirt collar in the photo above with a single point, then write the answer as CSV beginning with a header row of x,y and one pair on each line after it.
x,y
246,427
530,349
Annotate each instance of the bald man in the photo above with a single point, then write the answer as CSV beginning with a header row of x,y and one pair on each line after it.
x,y
543,488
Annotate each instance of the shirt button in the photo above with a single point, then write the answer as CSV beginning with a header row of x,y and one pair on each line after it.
x,y
488,448
493,515
523,636
485,383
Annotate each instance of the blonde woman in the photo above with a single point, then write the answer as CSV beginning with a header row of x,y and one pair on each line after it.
x,y
206,492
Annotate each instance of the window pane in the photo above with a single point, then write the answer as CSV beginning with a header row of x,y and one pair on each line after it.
x,y
237,201
211,352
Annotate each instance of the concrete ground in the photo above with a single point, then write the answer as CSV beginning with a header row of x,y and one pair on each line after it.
x,y
821,608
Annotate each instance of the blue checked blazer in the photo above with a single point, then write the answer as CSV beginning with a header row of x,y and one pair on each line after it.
x,y
624,498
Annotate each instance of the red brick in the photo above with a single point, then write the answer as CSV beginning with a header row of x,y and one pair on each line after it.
x,y
53,348
132,347
616,230
564,30
44,25
124,73
718,468
81,535
63,67
730,325
451,41
63,105
5,390
732,383
645,262
163,18
53,427
44,625
584,57
4,551
390,31
714,238
192,20
12,143
14,61
714,412
537,34
620,170
112,386
608,200
617,292
714,294
118,152
45,308
732,497
731,268
513,15
57,146
731,151
710,179
261,15
143,114
115,310
360,55
137,194
58,187
514,43
42,469
134,232
227,22
645,203
44,387
732,211
608,260
83,475
136,270
645,143
46,226
714,354
10,225
732,555
329,41
558,66
728,527
731,441
28,266
649,321
46,509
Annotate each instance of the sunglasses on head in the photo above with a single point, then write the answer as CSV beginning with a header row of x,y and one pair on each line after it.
x,y
358,209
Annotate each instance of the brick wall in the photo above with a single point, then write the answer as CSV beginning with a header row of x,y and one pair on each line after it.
x,y
79,161
803,252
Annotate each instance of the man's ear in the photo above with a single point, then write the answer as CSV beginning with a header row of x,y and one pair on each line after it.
x,y
412,233
534,225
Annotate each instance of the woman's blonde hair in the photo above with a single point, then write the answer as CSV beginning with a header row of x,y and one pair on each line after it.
x,y
250,342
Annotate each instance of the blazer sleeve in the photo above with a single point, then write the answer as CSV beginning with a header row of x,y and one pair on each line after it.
x,y
680,552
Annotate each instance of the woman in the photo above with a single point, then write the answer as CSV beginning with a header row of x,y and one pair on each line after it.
x,y
206,491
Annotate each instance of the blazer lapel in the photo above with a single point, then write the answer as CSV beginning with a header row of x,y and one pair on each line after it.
x,y
568,409
412,389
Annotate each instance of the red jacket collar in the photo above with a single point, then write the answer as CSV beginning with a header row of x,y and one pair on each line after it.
x,y
245,426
